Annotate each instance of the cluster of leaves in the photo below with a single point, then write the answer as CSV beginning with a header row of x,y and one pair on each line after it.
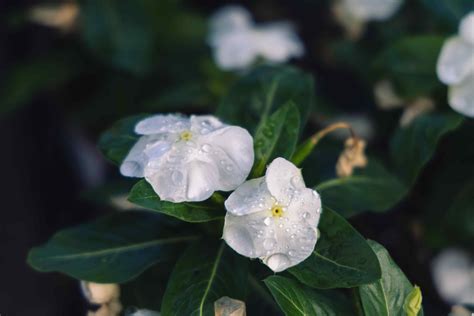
x,y
121,246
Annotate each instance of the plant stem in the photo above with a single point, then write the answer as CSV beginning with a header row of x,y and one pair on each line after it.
x,y
307,147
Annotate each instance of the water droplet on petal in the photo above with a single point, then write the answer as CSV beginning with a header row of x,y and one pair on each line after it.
x,y
229,168
318,211
296,181
176,177
292,236
267,221
206,148
306,215
290,253
287,230
278,262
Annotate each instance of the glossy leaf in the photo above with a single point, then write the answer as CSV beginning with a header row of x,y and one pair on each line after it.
x,y
412,147
410,64
342,257
116,142
143,195
204,273
296,299
276,136
254,97
371,188
113,249
387,296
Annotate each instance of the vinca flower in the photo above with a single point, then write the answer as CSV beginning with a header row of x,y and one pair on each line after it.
x,y
456,67
274,217
187,159
354,14
237,42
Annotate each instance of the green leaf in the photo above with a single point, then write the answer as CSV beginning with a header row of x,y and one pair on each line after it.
x,y
254,97
413,146
450,10
387,296
143,194
458,220
26,80
276,136
410,64
204,274
116,142
113,249
371,188
296,299
412,305
342,257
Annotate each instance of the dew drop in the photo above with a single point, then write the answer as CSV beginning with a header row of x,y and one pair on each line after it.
x,y
176,177
287,230
306,215
280,225
267,221
296,181
318,211
206,148
229,168
222,162
204,131
290,253
292,236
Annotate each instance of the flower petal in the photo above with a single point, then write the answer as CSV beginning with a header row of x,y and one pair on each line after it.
x,y
372,9
283,178
235,50
250,197
461,96
456,61
231,150
170,123
230,18
278,42
466,28
203,124
136,160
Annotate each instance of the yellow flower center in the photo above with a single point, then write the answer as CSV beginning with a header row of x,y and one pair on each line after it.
x,y
186,136
277,211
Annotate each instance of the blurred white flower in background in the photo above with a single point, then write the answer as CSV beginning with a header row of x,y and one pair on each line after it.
x,y
141,312
105,295
456,67
237,42
354,14
387,99
187,159
62,16
453,275
274,218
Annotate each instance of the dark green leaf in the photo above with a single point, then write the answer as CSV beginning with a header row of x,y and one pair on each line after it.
x,y
296,299
142,194
371,188
203,274
458,219
410,64
262,91
342,257
412,147
113,249
28,79
386,297
276,136
116,142
450,10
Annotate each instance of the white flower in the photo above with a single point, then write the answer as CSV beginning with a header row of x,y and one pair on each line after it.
x,y
453,275
187,159
456,67
143,312
237,42
274,217
354,14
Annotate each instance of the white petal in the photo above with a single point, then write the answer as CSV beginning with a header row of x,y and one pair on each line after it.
x,y
162,124
372,9
306,206
230,18
466,28
143,312
461,96
136,160
203,124
178,177
453,275
283,178
230,149
252,196
278,42
235,50
248,235
456,60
